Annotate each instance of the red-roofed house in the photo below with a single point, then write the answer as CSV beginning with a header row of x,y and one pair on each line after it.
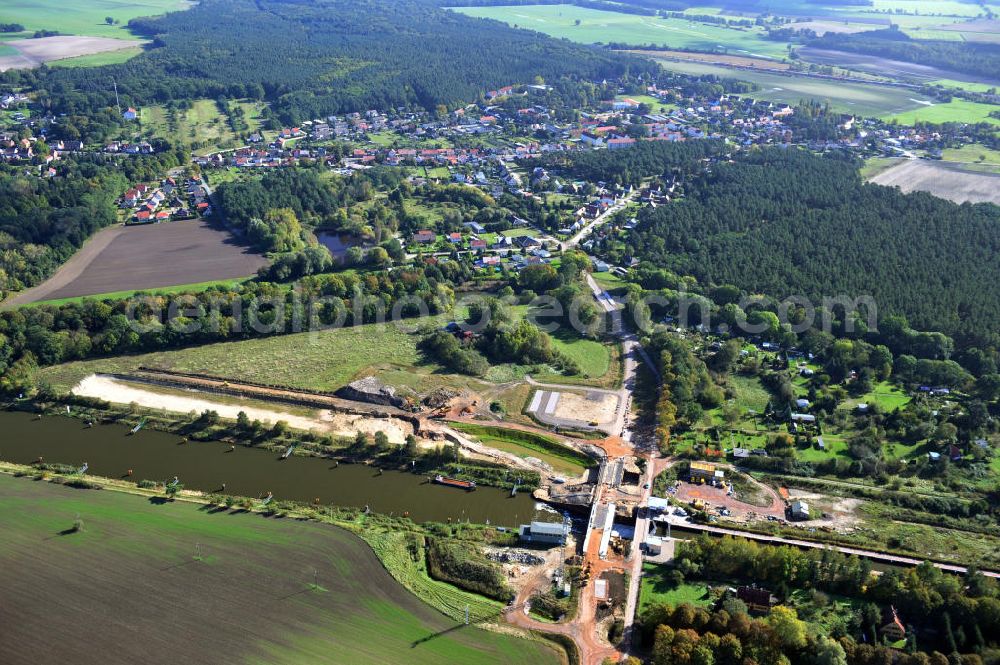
x,y
619,143
424,236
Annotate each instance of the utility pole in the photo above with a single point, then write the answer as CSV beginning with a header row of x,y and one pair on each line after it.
x,y
117,103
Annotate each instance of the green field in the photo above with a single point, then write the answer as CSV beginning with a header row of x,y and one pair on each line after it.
x,y
749,393
835,446
654,104
84,18
957,110
314,361
875,165
99,59
211,586
324,360
888,397
563,459
656,588
593,357
861,98
604,27
945,7
203,126
972,154
167,290
963,85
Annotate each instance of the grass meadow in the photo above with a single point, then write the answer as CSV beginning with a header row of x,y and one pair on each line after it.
x,y
862,98
656,588
203,126
99,59
597,26
957,110
84,18
167,290
321,361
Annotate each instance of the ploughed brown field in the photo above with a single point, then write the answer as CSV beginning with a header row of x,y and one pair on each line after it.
x,y
150,582
944,179
148,257
34,52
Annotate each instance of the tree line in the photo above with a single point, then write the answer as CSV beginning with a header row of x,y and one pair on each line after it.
x,y
43,221
629,167
978,59
31,337
789,222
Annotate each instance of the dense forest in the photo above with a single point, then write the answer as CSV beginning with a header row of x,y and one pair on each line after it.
x,y
43,221
787,222
314,58
974,58
629,167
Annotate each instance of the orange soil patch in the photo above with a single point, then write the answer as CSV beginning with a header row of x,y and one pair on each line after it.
x,y
615,446
716,497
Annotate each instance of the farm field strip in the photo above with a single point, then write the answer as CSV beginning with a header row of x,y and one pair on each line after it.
x,y
604,27
172,578
84,18
862,98
957,110
36,52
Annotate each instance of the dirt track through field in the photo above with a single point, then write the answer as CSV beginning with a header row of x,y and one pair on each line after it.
x,y
126,258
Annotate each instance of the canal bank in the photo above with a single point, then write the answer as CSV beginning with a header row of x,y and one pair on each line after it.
x,y
216,467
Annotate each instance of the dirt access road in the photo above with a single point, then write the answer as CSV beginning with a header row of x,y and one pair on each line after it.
x,y
600,219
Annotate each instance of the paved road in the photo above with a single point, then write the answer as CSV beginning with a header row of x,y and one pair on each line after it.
x,y
582,629
597,221
780,540
594,648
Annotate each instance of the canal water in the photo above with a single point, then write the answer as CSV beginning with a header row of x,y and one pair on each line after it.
x,y
111,452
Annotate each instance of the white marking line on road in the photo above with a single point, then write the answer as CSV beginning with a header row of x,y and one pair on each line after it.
x,y
536,401
553,400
